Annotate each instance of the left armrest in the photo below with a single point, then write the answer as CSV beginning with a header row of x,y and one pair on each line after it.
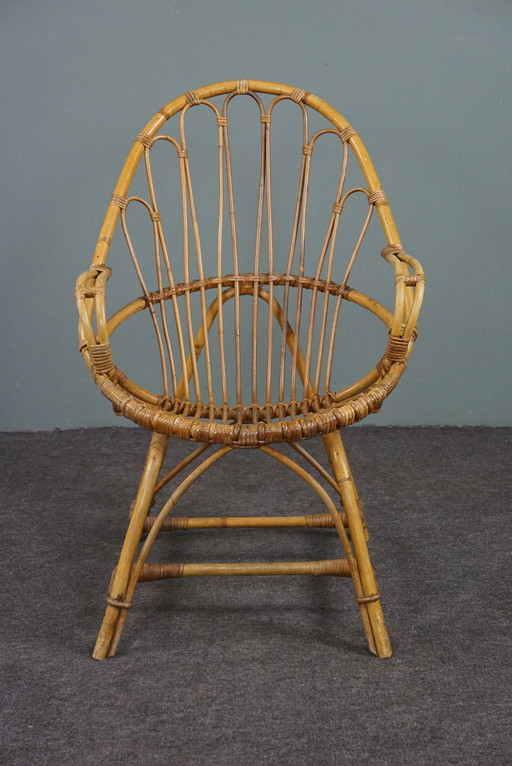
x,y
410,288
90,299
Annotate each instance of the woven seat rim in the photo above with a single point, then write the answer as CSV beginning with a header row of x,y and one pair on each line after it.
x,y
188,428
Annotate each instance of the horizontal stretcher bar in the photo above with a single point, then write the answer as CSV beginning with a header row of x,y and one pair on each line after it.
x,y
222,522
335,567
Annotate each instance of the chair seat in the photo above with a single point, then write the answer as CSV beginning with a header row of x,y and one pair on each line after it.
x,y
249,425
291,429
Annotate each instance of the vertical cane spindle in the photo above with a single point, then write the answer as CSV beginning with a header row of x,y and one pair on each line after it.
x,y
330,243
234,246
265,119
200,271
299,220
270,261
300,289
222,128
144,287
192,360
346,276
181,388
160,246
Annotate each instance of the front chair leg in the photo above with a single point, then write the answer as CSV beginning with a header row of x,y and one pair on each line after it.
x,y
119,581
341,470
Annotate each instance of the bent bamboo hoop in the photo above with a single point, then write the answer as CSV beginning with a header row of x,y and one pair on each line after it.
x,y
182,409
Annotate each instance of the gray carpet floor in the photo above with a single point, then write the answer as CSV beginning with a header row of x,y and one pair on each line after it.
x,y
249,671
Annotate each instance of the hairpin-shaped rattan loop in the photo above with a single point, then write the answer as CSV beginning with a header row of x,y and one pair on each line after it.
x,y
368,599
298,95
192,97
145,140
377,198
118,603
242,86
347,133
118,201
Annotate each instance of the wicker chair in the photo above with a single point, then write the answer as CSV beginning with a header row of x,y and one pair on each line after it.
x,y
247,354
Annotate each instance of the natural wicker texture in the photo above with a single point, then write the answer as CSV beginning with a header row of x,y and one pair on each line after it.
x,y
276,321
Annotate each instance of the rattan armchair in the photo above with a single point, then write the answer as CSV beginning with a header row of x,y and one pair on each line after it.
x,y
246,346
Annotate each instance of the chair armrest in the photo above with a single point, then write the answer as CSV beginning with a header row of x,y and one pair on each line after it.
x,y
410,288
90,299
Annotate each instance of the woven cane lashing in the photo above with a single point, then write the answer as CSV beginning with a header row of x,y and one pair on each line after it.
x,y
244,302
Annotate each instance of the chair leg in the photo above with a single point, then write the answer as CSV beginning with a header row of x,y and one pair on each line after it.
x,y
341,470
120,576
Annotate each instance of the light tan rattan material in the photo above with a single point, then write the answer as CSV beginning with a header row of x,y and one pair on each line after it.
x,y
200,316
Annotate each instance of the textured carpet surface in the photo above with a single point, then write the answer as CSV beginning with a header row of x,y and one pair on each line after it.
x,y
249,671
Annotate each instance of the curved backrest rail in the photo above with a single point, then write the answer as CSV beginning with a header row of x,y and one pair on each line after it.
x,y
319,316
209,91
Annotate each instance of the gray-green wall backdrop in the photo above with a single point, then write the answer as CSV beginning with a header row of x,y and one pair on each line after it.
x,y
427,84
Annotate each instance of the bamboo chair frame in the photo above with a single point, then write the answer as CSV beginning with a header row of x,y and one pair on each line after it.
x,y
307,404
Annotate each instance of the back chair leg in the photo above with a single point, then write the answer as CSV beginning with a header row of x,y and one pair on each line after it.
x,y
115,599
371,599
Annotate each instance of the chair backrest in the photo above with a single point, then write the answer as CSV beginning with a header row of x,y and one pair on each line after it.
x,y
245,307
